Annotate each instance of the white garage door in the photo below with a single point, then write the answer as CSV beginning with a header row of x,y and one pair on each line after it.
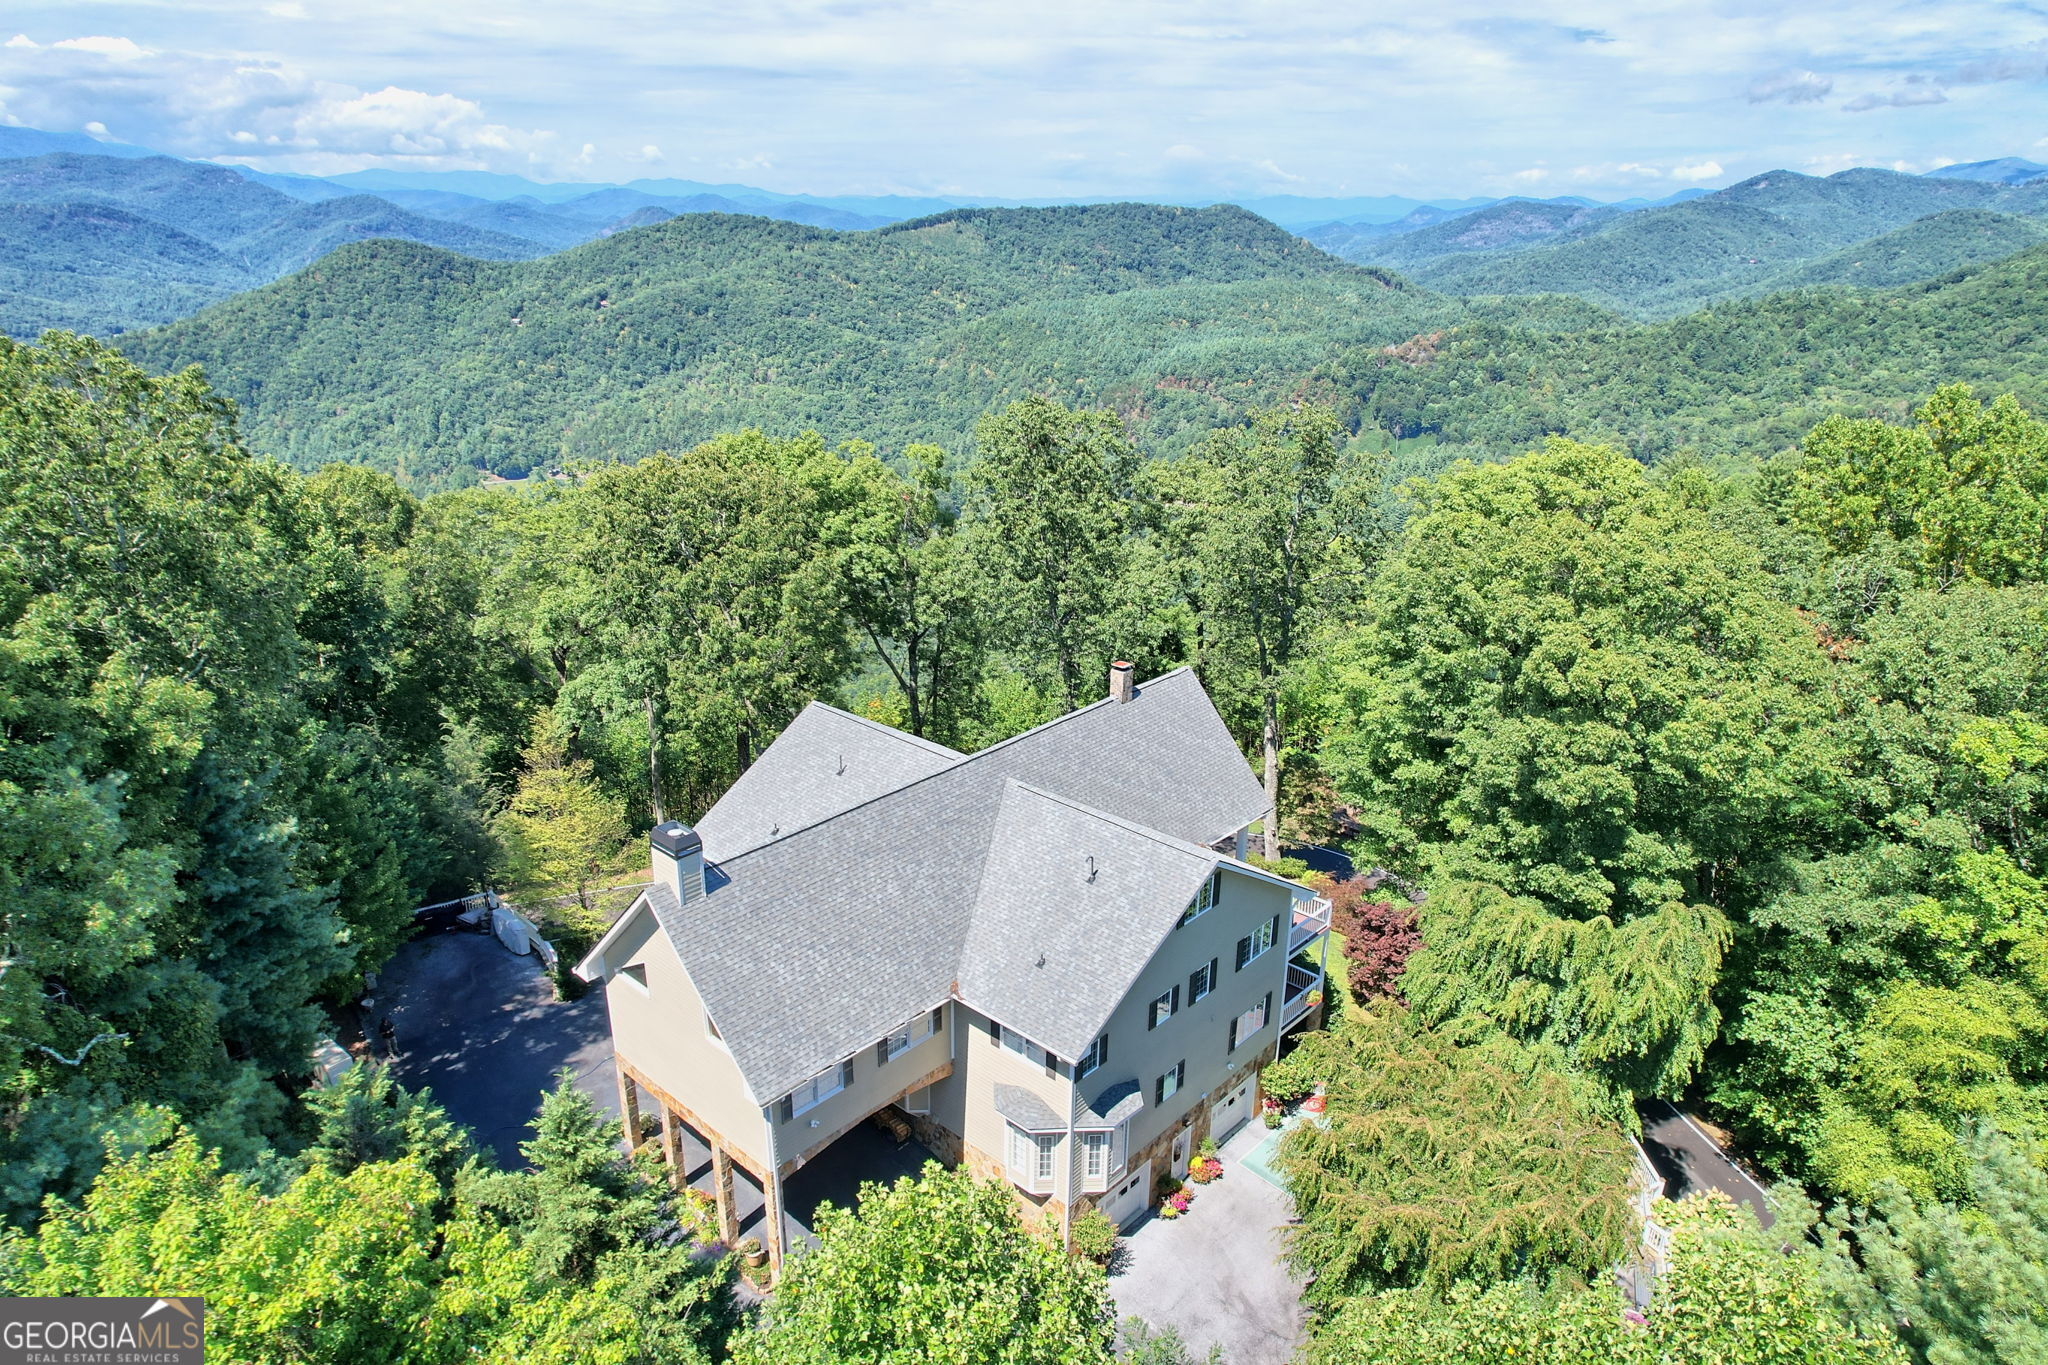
x,y
1232,1113
1126,1199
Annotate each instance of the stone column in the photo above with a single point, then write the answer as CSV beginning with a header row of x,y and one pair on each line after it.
x,y
672,1147
629,1106
721,1194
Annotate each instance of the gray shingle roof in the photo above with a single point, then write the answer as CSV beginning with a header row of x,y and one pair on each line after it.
x,y
826,762
1073,902
820,940
1112,1106
1026,1110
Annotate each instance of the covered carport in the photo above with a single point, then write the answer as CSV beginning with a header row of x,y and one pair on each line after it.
x,y
865,1153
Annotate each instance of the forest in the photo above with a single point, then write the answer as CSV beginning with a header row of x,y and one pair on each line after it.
x,y
1722,779
1176,319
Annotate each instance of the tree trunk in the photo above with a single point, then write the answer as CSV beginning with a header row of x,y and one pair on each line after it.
x,y
654,761
1271,745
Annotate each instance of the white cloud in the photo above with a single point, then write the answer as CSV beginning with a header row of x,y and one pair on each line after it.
x,y
1790,87
1058,97
1915,90
250,109
1698,171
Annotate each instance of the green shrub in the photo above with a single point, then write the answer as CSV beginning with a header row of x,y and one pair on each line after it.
x,y
1291,1078
1093,1236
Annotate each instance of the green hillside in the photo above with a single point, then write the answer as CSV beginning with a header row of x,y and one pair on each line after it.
x,y
105,244
1660,262
86,267
1922,250
1749,377
662,336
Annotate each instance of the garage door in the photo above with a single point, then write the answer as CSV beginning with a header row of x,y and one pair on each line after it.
x,y
1126,1200
1231,1114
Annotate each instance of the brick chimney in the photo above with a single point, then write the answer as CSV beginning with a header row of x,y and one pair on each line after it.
x,y
678,858
1120,689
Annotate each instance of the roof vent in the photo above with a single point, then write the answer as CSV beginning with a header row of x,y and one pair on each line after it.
x,y
1120,689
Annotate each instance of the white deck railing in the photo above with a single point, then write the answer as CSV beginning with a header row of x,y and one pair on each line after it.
x,y
1311,919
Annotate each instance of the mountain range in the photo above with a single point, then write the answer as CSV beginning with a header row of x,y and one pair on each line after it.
x,y
1177,318
1771,231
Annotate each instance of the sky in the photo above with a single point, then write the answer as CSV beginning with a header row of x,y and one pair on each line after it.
x,y
1054,98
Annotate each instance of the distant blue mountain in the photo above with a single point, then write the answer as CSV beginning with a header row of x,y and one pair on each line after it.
x,y
2006,170
16,142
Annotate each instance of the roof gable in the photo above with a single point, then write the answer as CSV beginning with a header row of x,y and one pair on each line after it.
x,y
827,761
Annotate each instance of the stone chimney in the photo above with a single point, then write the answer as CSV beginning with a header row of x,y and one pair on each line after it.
x,y
1120,689
678,857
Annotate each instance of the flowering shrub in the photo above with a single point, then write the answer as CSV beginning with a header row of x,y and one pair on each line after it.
x,y
1169,1210
1178,1201
1312,1105
1204,1169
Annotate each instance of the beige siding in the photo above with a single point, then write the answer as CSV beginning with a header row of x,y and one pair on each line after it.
x,y
1200,1033
987,1064
660,1031
874,1085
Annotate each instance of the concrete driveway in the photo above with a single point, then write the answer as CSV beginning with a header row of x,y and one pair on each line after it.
x,y
1214,1274
483,1030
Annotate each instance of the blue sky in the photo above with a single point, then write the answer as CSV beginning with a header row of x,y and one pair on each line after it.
x,y
1050,98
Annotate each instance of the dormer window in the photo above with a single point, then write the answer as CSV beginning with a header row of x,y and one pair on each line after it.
x,y
635,972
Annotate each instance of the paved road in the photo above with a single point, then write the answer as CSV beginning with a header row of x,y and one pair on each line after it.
x,y
1690,1161
483,1029
1215,1274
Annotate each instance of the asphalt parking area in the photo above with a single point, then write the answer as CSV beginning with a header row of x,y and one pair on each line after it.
x,y
1215,1274
482,1029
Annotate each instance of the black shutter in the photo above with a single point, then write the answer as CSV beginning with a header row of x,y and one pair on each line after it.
x,y
938,1018
995,1032
1176,999
846,1072
1052,1065
1216,886
1159,1091
1212,973
1102,1050
1276,929
1244,952
882,1053
1268,1015
1233,1036
1152,1016
788,1108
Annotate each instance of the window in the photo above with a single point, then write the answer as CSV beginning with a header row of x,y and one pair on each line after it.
x,y
1095,1156
1202,981
1167,1086
1205,899
1254,944
906,1038
635,972
1031,1157
1250,1022
1093,1058
1019,1044
820,1088
1162,1008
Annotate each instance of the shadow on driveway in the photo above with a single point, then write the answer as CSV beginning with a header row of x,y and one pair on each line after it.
x,y
483,1030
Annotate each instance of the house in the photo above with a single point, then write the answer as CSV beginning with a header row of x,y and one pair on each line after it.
x,y
1048,959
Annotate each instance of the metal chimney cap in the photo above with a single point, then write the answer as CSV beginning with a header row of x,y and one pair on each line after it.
x,y
675,839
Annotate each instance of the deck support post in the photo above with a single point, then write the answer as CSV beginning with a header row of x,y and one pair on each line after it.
x,y
721,1194
629,1110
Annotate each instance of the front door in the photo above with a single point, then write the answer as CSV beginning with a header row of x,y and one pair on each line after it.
x,y
1232,1113
1181,1143
1126,1201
